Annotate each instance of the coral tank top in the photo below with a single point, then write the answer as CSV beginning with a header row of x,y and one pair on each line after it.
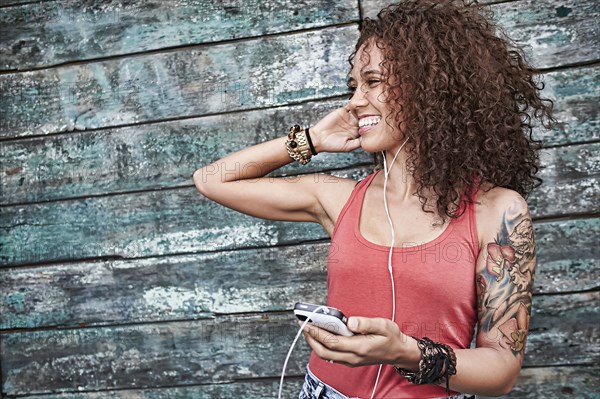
x,y
435,294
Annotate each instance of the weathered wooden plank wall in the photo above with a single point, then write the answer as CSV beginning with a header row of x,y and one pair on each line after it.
x,y
117,279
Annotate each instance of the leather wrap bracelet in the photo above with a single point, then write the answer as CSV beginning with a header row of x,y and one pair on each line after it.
x,y
438,363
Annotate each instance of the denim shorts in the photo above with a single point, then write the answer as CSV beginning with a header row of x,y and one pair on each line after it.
x,y
314,388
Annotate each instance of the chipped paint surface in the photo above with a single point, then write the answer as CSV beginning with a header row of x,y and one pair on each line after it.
x,y
78,30
212,238
179,352
216,79
169,298
148,157
171,288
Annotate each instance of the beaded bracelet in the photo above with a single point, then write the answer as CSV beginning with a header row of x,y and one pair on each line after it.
x,y
437,364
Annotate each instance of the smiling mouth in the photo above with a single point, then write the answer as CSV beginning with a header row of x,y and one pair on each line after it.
x,y
366,124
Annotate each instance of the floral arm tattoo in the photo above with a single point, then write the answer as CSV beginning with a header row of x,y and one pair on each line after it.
x,y
504,287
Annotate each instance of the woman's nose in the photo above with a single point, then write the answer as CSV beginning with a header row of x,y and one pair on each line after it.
x,y
358,99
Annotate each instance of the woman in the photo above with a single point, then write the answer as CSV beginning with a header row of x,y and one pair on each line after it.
x,y
449,106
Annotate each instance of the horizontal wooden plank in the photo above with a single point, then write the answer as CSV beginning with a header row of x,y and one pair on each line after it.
x,y
199,286
571,182
4,3
549,382
150,156
567,256
76,30
576,96
554,34
251,389
564,329
182,220
161,289
166,154
557,383
230,348
189,82
174,354
140,224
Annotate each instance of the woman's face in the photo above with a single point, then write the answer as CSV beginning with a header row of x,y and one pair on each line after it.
x,y
368,103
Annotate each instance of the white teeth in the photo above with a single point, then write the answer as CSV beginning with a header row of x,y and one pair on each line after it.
x,y
369,121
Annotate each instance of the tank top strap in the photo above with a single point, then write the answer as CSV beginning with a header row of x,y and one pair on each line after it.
x,y
471,220
360,185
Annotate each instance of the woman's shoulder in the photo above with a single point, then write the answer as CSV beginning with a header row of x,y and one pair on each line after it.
x,y
494,206
333,193
493,199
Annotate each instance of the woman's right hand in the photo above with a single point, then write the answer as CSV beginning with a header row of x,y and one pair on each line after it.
x,y
336,132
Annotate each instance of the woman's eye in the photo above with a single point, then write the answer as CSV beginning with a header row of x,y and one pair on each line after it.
x,y
369,82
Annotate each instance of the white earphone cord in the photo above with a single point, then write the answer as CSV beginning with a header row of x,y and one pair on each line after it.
x,y
287,358
389,269
387,212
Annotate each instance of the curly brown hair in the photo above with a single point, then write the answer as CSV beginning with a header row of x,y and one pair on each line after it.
x,y
472,98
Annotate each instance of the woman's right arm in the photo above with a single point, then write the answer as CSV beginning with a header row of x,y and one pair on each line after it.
x,y
237,181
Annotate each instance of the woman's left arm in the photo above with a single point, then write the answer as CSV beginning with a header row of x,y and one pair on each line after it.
x,y
504,280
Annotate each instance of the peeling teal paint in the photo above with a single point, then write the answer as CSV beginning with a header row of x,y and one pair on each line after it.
x,y
16,302
563,11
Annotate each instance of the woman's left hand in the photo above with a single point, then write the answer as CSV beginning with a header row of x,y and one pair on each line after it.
x,y
376,340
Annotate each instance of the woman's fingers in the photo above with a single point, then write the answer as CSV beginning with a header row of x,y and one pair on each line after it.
x,y
376,338
368,325
325,353
324,337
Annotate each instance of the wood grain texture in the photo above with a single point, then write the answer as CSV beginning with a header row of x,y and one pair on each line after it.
x,y
163,289
576,96
154,156
160,155
564,330
56,32
175,354
181,220
91,29
553,34
552,382
140,224
226,349
571,183
4,3
254,389
567,382
212,283
190,82
568,256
